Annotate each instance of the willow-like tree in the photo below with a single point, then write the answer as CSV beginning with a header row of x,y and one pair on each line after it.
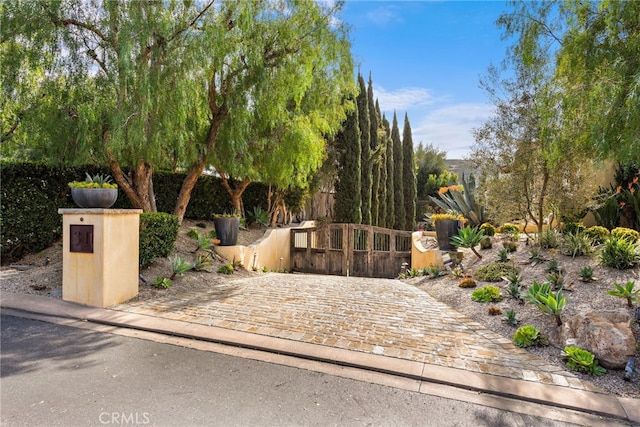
x,y
348,200
408,176
163,81
365,154
398,176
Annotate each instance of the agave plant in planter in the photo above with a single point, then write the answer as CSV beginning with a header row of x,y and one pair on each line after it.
x,y
94,192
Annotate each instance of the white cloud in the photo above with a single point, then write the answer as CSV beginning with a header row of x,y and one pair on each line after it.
x,y
449,128
403,99
384,15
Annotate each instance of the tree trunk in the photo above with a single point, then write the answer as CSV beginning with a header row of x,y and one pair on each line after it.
x,y
234,189
137,185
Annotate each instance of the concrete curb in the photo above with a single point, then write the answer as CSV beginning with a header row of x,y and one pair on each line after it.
x,y
547,394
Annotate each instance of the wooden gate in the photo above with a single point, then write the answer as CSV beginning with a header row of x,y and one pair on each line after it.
x,y
350,249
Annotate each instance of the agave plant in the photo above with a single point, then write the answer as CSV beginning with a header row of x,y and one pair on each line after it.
x,y
626,291
468,237
463,202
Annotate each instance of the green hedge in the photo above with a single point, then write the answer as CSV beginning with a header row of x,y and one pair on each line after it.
x,y
31,195
158,233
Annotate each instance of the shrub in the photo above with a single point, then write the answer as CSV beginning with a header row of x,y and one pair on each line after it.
x,y
573,228
162,283
503,255
619,253
510,246
467,282
487,294
535,256
548,239
488,228
628,234
511,230
527,336
495,271
553,266
494,311
597,234
486,243
577,244
158,233
582,361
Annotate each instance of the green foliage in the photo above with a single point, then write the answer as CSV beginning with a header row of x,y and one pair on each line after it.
x,y
626,233
510,246
627,291
548,239
202,261
573,228
464,203
577,244
495,271
510,317
487,294
486,243
432,170
582,361
366,170
259,216
586,274
488,229
408,176
511,230
556,280
597,234
619,253
204,243
158,233
398,176
503,255
527,336
348,191
226,269
535,256
96,181
548,302
179,266
433,272
553,266
468,238
162,283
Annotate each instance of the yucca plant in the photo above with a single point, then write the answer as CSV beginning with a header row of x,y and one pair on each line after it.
x,y
463,202
468,237
586,274
627,291
179,266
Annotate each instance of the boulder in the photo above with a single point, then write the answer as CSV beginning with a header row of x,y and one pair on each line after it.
x,y
606,334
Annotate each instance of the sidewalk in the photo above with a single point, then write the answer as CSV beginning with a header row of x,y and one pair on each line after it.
x,y
375,324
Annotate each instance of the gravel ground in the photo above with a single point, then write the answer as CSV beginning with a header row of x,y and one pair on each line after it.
x,y
42,274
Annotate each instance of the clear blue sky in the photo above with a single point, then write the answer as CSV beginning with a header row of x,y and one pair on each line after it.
x,y
426,59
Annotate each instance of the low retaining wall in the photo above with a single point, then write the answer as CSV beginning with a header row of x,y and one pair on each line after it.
x,y
271,251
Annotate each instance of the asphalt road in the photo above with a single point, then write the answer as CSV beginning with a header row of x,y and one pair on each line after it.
x,y
54,375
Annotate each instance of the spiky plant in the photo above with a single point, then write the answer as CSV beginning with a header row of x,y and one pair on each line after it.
x,y
627,291
463,202
179,266
468,237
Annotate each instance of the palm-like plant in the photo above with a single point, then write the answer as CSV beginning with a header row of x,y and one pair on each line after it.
x,y
468,237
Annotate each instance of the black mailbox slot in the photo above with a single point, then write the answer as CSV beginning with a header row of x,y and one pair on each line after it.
x,y
81,238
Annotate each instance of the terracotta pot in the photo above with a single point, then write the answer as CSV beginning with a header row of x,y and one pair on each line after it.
x,y
94,197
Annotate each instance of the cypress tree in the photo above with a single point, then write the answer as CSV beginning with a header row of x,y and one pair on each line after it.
x,y
409,176
375,154
382,167
398,184
347,187
365,154
390,217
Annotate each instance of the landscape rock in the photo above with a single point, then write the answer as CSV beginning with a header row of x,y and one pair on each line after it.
x,y
606,334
